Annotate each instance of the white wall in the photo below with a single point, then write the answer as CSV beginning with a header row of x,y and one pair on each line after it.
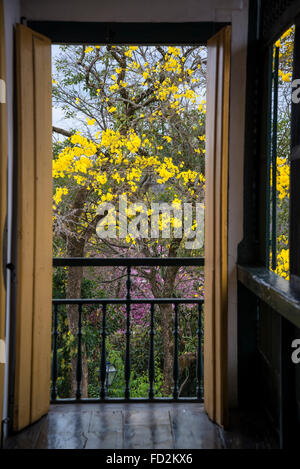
x,y
235,11
11,16
236,176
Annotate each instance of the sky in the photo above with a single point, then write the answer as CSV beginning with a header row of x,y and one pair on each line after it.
x,y
58,116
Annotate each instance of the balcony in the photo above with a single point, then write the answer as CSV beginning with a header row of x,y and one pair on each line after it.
x,y
140,426
127,422
128,303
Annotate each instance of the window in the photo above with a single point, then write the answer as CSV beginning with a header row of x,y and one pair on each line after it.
x,y
279,154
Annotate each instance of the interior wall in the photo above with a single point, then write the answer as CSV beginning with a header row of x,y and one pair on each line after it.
x,y
235,11
235,186
131,10
11,17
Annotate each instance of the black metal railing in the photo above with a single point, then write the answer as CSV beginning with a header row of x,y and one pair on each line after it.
x,y
128,302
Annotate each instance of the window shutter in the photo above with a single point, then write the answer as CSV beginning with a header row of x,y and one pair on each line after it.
x,y
216,199
34,228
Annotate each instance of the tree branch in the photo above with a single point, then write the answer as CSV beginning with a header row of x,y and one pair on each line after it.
x,y
64,132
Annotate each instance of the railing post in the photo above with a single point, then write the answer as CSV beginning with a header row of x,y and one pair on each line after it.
x,y
54,356
151,354
127,352
176,358
79,359
199,370
128,301
103,354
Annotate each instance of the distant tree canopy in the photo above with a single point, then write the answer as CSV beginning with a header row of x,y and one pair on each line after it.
x,y
286,49
140,113
138,131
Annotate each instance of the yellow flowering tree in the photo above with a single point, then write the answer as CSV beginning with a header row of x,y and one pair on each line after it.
x,y
138,118
286,49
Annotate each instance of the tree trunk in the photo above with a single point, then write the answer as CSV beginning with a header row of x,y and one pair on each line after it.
x,y
73,290
166,325
166,321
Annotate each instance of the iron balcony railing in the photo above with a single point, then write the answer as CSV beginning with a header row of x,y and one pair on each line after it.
x,y
128,302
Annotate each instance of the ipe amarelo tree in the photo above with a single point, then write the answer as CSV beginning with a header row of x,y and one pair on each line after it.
x,y
138,130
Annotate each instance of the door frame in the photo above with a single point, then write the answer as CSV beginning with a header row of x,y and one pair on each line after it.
x,y
197,33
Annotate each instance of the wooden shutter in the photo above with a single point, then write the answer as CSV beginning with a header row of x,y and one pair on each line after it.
x,y
216,199
34,222
3,196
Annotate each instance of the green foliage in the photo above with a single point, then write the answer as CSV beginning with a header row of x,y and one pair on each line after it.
x,y
152,100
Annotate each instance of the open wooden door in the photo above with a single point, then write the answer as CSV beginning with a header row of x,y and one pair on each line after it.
x,y
3,199
34,228
215,316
